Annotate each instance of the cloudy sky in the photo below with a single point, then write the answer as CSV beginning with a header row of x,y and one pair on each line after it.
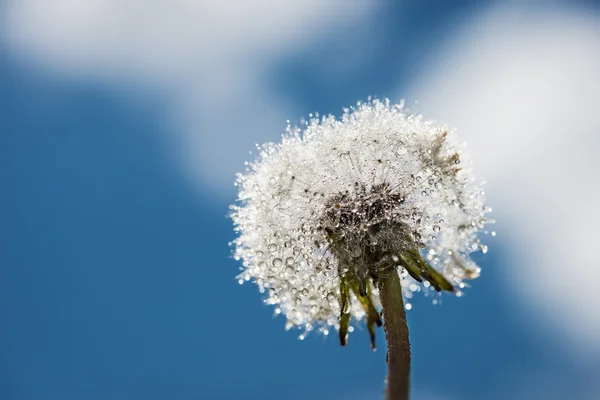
x,y
127,121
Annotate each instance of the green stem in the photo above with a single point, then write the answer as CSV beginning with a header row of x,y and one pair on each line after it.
x,y
396,334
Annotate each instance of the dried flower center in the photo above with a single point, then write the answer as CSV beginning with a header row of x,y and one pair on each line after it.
x,y
364,229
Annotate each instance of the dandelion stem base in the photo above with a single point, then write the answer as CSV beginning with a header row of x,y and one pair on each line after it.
x,y
396,334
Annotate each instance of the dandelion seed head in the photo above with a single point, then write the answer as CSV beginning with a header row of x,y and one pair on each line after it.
x,y
352,199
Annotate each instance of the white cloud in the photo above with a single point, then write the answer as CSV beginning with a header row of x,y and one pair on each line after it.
x,y
210,57
524,89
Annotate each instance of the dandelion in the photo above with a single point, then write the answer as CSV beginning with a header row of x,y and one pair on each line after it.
x,y
346,217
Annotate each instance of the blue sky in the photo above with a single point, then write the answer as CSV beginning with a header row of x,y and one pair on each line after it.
x,y
116,280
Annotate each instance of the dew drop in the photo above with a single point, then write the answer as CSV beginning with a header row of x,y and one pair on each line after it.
x,y
278,262
346,308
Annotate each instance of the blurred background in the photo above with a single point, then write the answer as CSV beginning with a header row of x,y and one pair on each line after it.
x,y
122,124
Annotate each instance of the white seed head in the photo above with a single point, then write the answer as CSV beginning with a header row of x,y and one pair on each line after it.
x,y
345,201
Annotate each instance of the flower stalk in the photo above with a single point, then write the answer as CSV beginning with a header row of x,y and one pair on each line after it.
x,y
397,337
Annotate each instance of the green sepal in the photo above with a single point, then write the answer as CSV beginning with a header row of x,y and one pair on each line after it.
x,y
345,301
412,270
373,317
413,259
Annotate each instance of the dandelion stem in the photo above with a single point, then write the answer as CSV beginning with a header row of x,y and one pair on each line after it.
x,y
396,334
